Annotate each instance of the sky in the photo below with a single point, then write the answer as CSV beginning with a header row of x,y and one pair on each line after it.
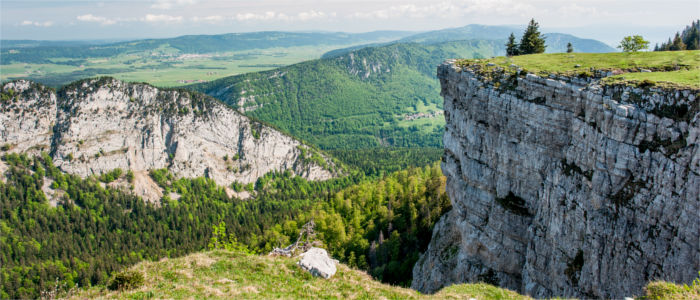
x,y
605,20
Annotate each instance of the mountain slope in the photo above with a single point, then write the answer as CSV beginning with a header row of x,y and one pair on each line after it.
x,y
472,31
556,42
97,125
227,275
362,99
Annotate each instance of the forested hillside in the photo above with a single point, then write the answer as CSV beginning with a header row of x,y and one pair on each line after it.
x,y
384,96
380,225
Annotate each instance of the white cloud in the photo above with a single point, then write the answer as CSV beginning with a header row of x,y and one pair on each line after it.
x,y
168,4
37,24
447,9
209,19
275,16
312,14
161,18
270,15
96,19
578,10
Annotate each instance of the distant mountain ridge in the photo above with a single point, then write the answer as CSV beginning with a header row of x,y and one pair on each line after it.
x,y
556,42
194,44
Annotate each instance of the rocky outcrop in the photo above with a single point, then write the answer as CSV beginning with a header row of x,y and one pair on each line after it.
x,y
97,125
563,187
317,262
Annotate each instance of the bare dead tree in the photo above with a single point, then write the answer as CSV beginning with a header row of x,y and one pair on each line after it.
x,y
306,240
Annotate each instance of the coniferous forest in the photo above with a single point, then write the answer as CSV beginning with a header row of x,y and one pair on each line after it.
x,y
378,224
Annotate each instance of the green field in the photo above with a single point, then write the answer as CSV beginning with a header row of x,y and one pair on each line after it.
x,y
673,68
165,67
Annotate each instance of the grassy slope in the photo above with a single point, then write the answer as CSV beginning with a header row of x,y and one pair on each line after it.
x,y
661,63
229,275
345,102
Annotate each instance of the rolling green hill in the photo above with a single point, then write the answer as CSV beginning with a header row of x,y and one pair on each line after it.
x,y
376,96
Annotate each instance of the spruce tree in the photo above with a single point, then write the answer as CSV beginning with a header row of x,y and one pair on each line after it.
x,y
693,40
511,46
677,43
569,48
532,41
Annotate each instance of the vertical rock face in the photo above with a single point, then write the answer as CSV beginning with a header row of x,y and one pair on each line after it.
x,y
561,187
27,125
97,125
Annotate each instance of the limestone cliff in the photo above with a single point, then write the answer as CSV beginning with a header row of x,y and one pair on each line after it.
x,y
562,186
97,125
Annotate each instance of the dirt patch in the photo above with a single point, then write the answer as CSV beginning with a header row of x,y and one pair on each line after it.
x,y
243,195
175,196
52,195
146,188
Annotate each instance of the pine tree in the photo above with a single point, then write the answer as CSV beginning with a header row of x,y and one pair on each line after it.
x,y
569,48
511,46
693,40
532,41
677,43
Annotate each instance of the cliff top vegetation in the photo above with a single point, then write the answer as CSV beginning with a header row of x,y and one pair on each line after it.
x,y
669,69
226,275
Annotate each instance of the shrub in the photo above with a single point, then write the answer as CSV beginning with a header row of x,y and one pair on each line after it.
x,y
647,83
514,204
126,280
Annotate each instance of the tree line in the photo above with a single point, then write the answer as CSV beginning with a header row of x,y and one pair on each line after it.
x,y
688,39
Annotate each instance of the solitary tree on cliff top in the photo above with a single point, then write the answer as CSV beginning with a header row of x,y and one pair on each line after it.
x,y
532,41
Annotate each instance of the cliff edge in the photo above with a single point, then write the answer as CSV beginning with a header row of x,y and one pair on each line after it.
x,y
562,185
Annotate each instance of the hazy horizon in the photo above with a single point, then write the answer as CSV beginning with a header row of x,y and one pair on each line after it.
x,y
127,19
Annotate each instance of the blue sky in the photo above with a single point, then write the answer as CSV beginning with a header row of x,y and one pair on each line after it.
x,y
125,19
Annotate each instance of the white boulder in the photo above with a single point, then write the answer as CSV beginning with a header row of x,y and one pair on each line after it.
x,y
317,262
